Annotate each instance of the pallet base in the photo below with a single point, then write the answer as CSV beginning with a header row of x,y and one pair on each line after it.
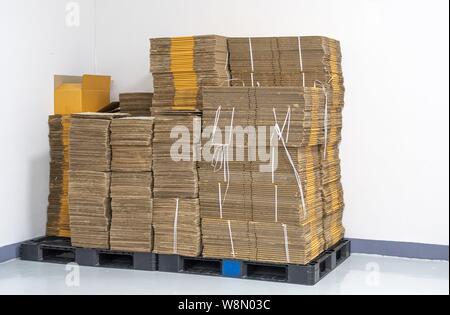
x,y
59,250
297,274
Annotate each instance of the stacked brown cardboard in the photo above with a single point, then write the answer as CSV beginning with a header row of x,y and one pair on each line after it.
x,y
274,199
131,140
90,178
333,194
58,205
181,66
131,184
228,239
282,243
285,61
177,226
176,213
174,165
302,61
136,104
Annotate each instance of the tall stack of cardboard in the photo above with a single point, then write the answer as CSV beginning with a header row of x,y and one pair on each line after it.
x,y
58,205
280,201
266,189
132,184
332,190
90,178
176,212
235,239
302,61
136,104
181,66
177,226
284,61
72,94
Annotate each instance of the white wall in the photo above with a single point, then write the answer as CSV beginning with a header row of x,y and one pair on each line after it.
x,y
35,44
395,149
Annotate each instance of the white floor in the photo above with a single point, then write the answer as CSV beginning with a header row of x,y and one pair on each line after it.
x,y
360,274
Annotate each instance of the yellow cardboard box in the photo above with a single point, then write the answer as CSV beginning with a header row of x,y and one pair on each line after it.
x,y
75,94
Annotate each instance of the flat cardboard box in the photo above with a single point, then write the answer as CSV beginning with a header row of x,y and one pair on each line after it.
x,y
76,94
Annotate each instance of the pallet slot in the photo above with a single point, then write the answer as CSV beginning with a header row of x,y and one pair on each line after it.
x,y
323,268
267,272
210,267
58,255
114,260
339,255
342,253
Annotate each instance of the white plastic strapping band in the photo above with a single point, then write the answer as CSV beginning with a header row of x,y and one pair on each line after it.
x,y
221,156
301,59
175,228
251,61
251,53
273,164
279,132
300,53
286,243
276,203
287,122
220,202
231,239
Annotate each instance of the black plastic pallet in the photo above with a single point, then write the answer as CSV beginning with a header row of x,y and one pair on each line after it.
x,y
297,274
59,250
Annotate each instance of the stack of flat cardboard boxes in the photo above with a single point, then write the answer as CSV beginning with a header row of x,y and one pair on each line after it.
x,y
263,183
136,104
181,66
90,179
264,187
310,61
132,184
176,218
58,203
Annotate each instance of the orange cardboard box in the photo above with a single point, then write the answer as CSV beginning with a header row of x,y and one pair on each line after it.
x,y
76,94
